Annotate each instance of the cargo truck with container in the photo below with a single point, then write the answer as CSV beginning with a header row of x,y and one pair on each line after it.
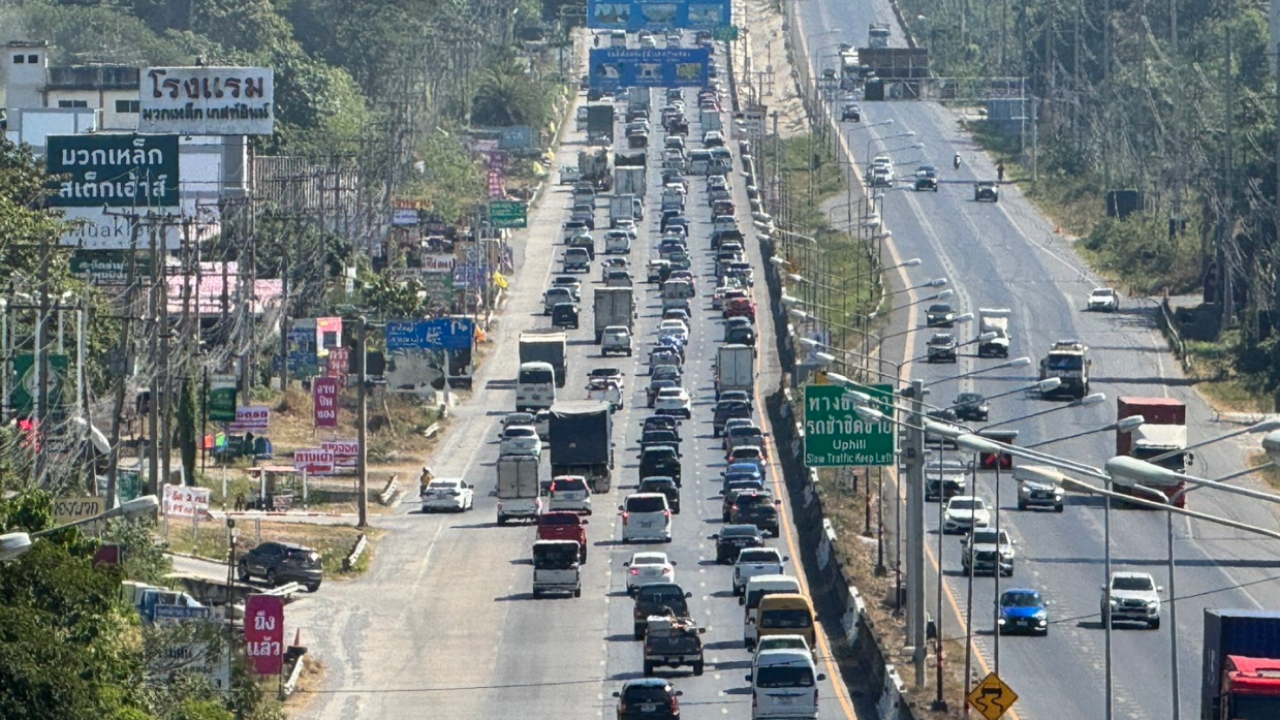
x,y
593,167
1240,667
519,489
547,347
600,124
1163,430
994,320
629,180
581,444
639,99
735,369
629,208
613,306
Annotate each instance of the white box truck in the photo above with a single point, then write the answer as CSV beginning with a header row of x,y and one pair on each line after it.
x,y
994,320
735,368
519,489
629,180
613,306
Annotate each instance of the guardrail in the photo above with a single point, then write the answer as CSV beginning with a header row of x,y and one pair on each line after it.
x,y
356,551
1169,325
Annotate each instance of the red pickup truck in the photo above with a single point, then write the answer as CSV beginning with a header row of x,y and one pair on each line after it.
x,y
561,525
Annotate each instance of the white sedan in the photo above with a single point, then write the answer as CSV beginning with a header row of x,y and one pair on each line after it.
x,y
520,440
648,568
964,513
673,401
448,494
1104,300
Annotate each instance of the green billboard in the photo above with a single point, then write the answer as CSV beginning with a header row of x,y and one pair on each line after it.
x,y
834,435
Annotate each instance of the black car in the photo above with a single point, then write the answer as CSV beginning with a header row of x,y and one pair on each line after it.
x,y
660,460
942,348
988,191
741,395
726,410
740,331
733,538
757,508
851,112
564,316
951,484
665,485
659,437
658,599
971,406
940,315
926,178
666,422
280,563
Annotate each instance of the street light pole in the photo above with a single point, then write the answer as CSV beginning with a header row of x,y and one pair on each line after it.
x,y
915,532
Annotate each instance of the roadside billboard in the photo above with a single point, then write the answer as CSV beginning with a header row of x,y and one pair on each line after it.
x,y
613,69
137,171
207,100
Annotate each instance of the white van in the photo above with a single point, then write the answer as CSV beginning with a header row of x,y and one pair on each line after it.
x,y
784,683
757,588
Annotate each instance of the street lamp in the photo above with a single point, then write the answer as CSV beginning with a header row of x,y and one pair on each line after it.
x,y
984,337
867,154
16,543
1086,401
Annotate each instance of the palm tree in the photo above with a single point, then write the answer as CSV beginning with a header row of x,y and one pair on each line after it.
x,y
507,95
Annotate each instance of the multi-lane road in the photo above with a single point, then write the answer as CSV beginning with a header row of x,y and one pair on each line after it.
x,y
445,624
1006,255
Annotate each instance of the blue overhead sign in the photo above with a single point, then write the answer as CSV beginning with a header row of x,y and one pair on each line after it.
x,y
636,15
616,68
433,334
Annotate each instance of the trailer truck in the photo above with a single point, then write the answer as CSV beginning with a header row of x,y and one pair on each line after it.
x,y
629,180
613,306
994,320
518,488
1163,430
1240,670
581,444
547,347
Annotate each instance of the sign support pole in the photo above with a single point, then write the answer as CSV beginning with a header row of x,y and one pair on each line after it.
x,y
362,426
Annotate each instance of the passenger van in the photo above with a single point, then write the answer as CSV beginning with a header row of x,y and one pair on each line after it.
x,y
535,387
784,683
786,614
757,588
699,161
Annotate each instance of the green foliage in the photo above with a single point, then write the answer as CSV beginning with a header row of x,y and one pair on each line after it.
x,y
390,298
144,556
188,426
1139,250
450,179
510,94
28,511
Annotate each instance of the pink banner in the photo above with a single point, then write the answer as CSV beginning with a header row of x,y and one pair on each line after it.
x,y
264,633
325,394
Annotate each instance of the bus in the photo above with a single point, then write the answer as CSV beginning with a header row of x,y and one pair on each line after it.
x,y
535,387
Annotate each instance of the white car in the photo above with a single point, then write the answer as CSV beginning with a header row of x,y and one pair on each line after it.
x,y
617,242
779,642
1132,597
1104,300
673,401
646,517
648,568
674,329
713,138
520,440
615,339
756,561
570,493
448,494
965,512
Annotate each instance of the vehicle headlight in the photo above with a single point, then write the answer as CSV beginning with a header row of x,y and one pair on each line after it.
x,y
1001,620
1153,603
1115,603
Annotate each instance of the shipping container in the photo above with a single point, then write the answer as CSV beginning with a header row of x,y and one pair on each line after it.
x,y
1249,633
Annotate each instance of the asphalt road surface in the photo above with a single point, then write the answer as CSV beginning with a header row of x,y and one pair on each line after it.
x,y
1006,255
445,622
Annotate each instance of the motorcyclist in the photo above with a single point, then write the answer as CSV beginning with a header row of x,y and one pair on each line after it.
x,y
956,161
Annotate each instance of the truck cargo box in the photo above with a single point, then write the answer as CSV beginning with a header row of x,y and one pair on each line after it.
x,y
1250,633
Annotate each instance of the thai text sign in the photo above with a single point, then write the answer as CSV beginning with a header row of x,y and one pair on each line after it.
x,y
834,435
637,15
251,418
73,509
325,394
616,68
113,170
207,101
313,461
434,334
345,452
221,402
184,501
264,633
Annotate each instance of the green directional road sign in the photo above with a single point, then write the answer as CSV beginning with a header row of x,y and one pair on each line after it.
x,y
834,435
725,33
508,214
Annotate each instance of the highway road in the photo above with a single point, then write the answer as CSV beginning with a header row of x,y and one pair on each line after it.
x,y
444,623
1006,255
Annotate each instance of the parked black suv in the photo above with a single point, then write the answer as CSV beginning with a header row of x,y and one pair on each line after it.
x,y
757,508
280,563
648,698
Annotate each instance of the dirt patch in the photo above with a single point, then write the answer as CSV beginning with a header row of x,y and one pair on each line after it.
x,y
766,67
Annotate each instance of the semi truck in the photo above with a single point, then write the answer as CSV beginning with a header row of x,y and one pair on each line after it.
x,y
600,124
1163,430
518,488
1068,360
629,180
735,368
613,306
593,167
1240,670
547,347
994,320
581,444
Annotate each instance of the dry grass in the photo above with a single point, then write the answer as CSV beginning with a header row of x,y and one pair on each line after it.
x,y
333,542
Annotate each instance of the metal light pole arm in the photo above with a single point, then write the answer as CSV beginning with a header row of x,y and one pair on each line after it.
x,y
1001,366
1264,426
977,443
1078,486
1056,408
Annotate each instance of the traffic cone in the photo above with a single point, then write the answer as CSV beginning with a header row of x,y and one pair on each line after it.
x,y
297,638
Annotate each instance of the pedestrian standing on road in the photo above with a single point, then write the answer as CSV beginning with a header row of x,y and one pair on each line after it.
x,y
1000,172
240,502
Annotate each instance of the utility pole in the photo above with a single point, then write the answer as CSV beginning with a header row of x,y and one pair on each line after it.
x,y
915,533
153,407
42,367
126,316
362,424
1227,234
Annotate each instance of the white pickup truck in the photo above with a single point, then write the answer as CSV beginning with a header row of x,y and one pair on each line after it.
x,y
756,561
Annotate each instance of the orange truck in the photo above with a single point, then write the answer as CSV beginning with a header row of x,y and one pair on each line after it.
x,y
1163,430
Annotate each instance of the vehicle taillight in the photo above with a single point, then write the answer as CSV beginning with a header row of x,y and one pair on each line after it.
x,y
675,705
635,571
755,700
666,571
666,514
625,516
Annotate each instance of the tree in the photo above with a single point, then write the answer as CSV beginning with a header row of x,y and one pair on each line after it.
x,y
509,95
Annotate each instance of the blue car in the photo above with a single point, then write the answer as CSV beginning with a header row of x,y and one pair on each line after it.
x,y
1023,611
